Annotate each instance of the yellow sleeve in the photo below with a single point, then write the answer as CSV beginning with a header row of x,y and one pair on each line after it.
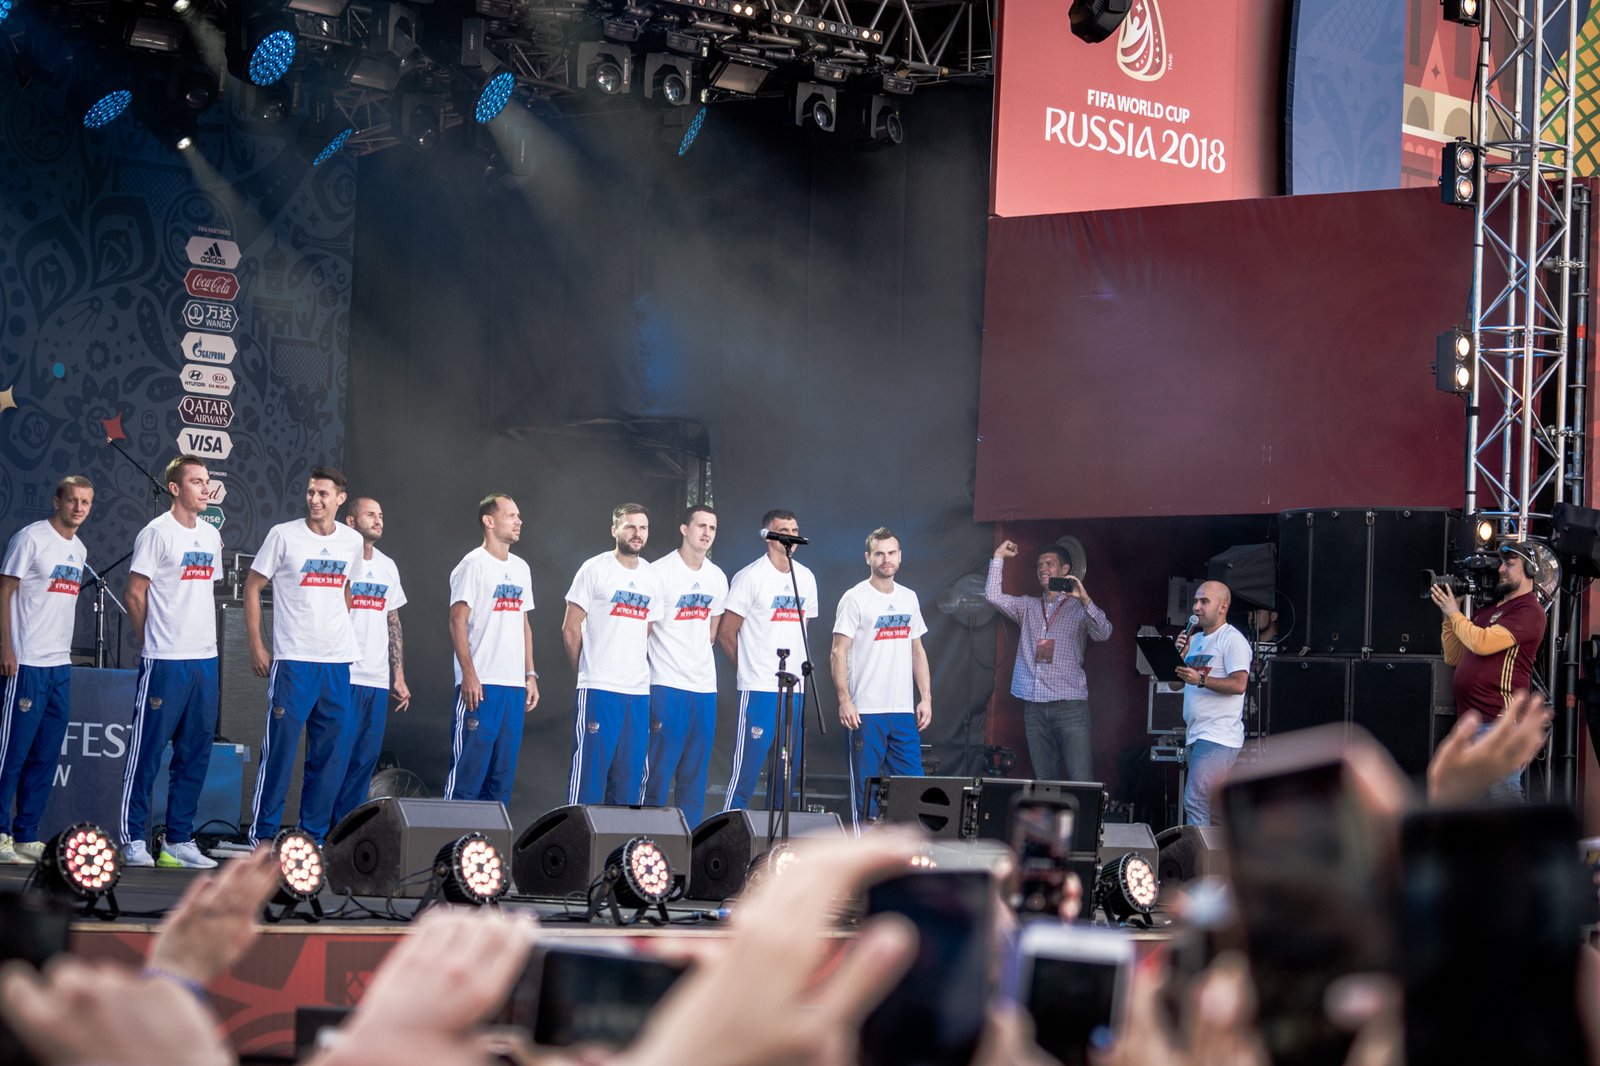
x,y
1452,646
1480,641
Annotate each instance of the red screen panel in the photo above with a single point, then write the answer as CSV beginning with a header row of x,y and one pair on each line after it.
x,y
1224,358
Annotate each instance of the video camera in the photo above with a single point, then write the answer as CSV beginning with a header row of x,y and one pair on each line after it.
x,y
1475,567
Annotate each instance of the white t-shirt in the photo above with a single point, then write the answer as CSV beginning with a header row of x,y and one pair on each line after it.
x,y
182,564
498,594
619,605
45,605
371,599
680,643
1211,715
881,627
763,596
310,622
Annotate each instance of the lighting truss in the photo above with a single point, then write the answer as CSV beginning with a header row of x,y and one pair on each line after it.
x,y
1525,417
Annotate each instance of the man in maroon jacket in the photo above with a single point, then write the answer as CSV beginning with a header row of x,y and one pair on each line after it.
x,y
1493,652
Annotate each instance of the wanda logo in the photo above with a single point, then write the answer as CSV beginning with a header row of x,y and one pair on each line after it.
x,y
1142,44
211,284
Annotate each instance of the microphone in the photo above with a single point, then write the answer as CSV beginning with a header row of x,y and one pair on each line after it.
x,y
1194,620
788,540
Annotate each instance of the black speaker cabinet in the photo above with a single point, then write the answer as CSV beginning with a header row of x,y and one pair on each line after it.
x,y
380,842
1408,704
1191,851
1404,543
1305,691
942,806
994,808
1575,535
1251,573
724,844
566,849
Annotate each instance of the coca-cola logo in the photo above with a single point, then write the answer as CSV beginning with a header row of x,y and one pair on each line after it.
x,y
211,284
1142,44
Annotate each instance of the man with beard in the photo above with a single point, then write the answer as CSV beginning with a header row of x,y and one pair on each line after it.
x,y
490,597
375,603
877,654
611,606
1493,653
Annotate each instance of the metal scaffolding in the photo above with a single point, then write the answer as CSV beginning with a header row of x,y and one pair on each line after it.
x,y
1525,419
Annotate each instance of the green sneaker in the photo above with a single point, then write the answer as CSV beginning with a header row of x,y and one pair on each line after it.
x,y
167,862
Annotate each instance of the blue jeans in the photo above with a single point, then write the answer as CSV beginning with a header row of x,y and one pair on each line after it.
x,y
1058,740
1208,764
1507,791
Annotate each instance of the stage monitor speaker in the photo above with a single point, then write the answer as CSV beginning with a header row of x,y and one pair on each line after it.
x,y
1575,536
1122,837
1251,573
565,850
724,844
1401,702
994,808
1339,562
380,842
942,806
1305,691
1404,543
1191,851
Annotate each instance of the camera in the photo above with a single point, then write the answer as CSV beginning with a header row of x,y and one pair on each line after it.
x,y
1475,581
1061,584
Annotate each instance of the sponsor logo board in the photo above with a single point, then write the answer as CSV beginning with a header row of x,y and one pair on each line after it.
x,y
206,443
212,515
208,348
214,380
211,284
212,252
206,411
213,317
217,493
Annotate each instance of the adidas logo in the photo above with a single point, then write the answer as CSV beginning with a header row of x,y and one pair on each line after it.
x,y
630,584
324,551
696,584
212,256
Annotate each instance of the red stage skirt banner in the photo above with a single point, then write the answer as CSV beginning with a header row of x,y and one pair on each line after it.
x,y
1179,107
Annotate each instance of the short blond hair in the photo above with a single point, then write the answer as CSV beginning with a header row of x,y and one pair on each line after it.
x,y
73,481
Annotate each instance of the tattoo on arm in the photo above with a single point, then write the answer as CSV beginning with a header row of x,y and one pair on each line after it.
x,y
396,644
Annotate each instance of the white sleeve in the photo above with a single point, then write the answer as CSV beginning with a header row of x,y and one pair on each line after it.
x,y
719,599
270,555
19,556
848,617
581,592
464,584
1237,655
658,599
397,595
918,626
216,562
147,555
738,595
810,585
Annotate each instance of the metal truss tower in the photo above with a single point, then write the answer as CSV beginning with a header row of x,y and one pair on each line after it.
x,y
1526,417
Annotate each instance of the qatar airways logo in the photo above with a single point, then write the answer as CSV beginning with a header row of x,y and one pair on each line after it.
x,y
630,604
892,627
323,573
198,566
1142,44
368,595
66,579
692,606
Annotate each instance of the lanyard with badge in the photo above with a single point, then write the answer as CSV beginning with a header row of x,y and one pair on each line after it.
x,y
1045,650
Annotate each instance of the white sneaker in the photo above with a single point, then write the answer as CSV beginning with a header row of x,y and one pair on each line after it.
x,y
8,851
187,855
29,852
137,853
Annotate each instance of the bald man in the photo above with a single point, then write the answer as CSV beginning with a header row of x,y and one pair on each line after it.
x,y
1216,668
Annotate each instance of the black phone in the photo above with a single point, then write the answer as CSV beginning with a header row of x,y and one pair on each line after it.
x,y
1492,901
33,927
935,1015
1040,830
569,996
1314,884
1062,584
1073,980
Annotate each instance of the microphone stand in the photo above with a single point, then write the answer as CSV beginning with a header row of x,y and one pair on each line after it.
x,y
158,490
100,594
785,723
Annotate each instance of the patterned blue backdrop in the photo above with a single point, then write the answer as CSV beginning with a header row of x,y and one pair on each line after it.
x,y
94,248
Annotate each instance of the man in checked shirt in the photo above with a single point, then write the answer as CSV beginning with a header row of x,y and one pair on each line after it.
x,y
1048,678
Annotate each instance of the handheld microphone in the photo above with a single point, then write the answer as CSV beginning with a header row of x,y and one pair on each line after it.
x,y
788,540
1194,620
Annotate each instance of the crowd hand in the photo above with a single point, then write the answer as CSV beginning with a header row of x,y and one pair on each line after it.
x,y
450,973
760,1002
1444,600
1466,766
1006,550
1218,1020
96,1012
1008,1040
215,921
1369,1005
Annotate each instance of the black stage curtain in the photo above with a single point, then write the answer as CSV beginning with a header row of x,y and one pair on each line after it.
x,y
817,307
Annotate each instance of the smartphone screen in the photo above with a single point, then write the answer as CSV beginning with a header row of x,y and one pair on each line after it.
x,y
1069,999
935,1015
1307,874
580,997
1041,837
1491,904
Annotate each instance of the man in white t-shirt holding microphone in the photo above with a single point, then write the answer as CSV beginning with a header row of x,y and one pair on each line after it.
x,y
762,616
311,563
877,655
491,593
1215,673
683,671
614,600
375,603
177,558
44,567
